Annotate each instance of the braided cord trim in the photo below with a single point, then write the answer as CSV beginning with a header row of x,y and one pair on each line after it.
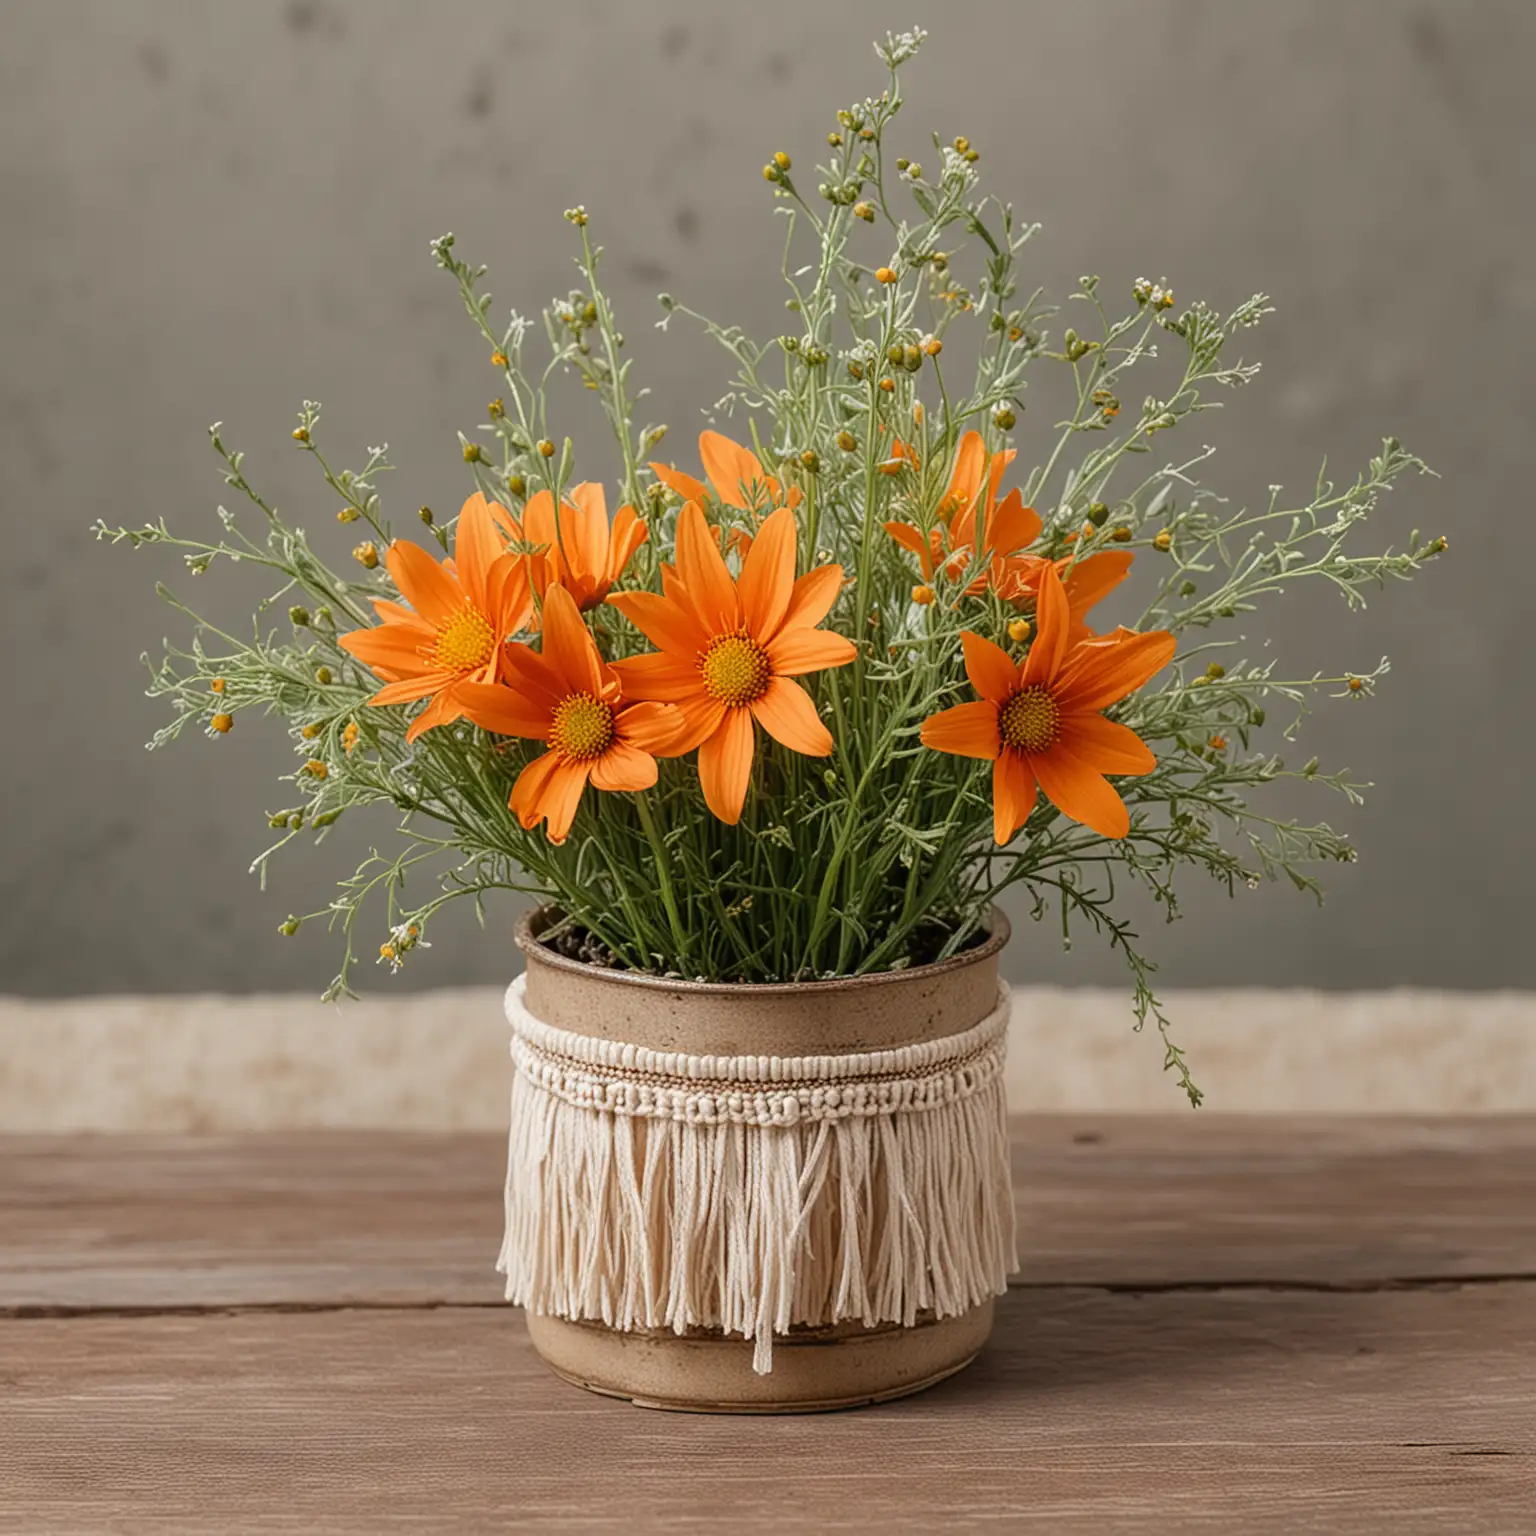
x,y
613,1077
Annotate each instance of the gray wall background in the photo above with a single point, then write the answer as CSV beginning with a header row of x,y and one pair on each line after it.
x,y
212,210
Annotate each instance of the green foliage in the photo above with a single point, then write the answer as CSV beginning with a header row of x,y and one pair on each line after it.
x,y
880,856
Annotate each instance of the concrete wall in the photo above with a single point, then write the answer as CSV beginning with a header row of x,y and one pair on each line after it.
x,y
217,209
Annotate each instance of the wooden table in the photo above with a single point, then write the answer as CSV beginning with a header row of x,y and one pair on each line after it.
x,y
1233,1325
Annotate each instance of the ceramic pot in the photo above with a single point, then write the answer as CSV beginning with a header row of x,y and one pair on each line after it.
x,y
846,1145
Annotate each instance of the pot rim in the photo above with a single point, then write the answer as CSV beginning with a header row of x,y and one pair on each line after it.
x,y
527,937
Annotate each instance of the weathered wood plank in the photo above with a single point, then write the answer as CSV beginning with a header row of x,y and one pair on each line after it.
x,y
371,1217
1251,1410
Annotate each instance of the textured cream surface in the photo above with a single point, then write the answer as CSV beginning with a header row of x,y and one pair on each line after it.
x,y
439,1060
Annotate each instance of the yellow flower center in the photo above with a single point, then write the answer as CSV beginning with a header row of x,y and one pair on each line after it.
x,y
582,727
1030,720
736,669
466,641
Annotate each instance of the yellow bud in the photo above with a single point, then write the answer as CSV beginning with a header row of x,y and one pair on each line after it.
x,y
885,274
922,595
771,172
218,685
962,144
322,675
497,408
546,448
834,139
310,731
932,345
865,211
781,160
1122,535
1018,630
888,385
1356,684
347,515
499,358
386,951
1163,541
917,412
847,441
1005,420
810,460
940,261
1217,743
516,484
316,769
472,454
222,723
425,514
301,434
349,736
1215,670
366,554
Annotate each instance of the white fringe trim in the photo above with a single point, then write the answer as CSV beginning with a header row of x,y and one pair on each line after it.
x,y
753,1194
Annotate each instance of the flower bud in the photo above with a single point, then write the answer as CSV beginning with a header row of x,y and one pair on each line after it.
x,y
498,358
288,927
1005,420
1018,630
472,453
323,676
546,448
1098,514
847,441
217,685
316,769
347,515
222,723
1163,541
865,211
1122,535
922,595
516,484
885,274
301,434
299,617
366,554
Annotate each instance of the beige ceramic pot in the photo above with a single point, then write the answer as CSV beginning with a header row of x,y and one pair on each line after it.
x,y
835,1364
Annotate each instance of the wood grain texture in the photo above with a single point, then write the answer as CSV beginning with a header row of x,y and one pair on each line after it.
x,y
373,1218
1180,1412
1222,1324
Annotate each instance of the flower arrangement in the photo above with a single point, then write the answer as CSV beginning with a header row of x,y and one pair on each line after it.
x,y
808,706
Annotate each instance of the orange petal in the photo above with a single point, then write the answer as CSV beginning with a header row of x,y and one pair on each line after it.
x,y
408,689
476,545
1013,795
658,675
786,712
1105,745
443,710
911,538
768,576
725,765
584,530
562,794
994,674
1081,792
624,767
527,673
811,598
1088,580
701,569
965,477
685,485
1102,672
528,791
495,707
424,584
967,730
732,469
403,648
651,727
539,530
668,622
569,648
1053,621
1011,526
626,536
701,716
794,652
394,613
509,600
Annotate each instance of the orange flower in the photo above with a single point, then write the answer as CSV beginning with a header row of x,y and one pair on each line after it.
x,y
1040,724
736,474
568,697
583,553
728,651
464,609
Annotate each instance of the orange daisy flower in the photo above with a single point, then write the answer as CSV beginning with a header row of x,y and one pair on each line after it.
x,y
464,608
1008,527
1040,724
736,474
730,649
570,698
584,553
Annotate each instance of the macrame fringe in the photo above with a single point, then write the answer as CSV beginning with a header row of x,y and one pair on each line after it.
x,y
754,1195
